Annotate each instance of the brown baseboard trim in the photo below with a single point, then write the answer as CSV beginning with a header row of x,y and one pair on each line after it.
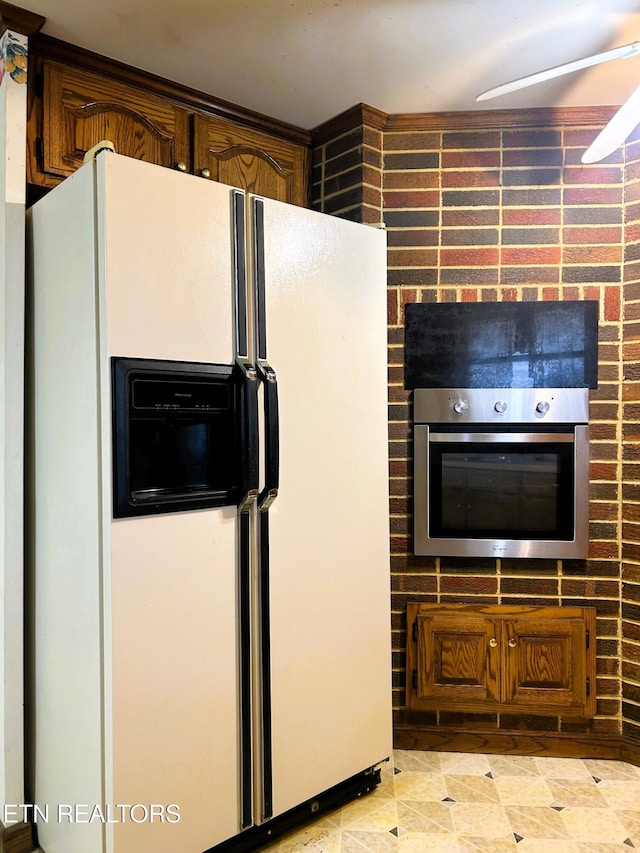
x,y
556,744
630,752
16,838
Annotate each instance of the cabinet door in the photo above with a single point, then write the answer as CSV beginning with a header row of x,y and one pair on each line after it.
x,y
80,109
455,659
546,663
251,160
536,660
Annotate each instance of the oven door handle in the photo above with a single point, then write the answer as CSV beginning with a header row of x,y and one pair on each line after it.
x,y
503,437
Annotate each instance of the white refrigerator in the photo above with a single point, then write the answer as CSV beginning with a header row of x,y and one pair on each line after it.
x,y
199,675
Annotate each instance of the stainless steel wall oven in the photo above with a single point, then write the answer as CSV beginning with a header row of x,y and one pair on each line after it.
x,y
501,472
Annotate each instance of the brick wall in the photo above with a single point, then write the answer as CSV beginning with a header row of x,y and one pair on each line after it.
x,y
499,207
347,167
631,452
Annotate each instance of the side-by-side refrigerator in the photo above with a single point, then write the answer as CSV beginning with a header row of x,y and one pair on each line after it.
x,y
208,581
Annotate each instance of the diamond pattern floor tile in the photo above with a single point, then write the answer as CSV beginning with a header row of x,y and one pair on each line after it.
x,y
430,802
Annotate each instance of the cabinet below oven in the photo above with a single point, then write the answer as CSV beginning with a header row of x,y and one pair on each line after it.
x,y
499,658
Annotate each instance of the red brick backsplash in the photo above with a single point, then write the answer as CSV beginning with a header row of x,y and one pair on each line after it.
x,y
508,214
629,305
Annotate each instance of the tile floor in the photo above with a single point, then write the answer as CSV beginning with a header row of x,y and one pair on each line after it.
x,y
444,802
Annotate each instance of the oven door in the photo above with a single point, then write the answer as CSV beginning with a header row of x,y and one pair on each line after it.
x,y
501,494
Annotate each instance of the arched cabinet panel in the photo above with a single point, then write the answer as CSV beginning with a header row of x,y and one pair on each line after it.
x,y
82,109
252,160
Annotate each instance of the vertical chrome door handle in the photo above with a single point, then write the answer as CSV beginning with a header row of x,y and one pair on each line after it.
x,y
247,394
266,497
246,417
266,373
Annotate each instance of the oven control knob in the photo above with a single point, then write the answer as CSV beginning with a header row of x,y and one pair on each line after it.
x,y
500,407
542,407
460,406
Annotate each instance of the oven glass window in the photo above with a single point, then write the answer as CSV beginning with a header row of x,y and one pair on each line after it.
x,y
505,490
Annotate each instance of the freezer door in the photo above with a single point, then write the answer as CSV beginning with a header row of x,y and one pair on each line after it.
x,y
138,650
173,280
325,533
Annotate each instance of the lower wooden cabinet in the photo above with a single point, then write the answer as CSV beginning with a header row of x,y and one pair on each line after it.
x,y
538,660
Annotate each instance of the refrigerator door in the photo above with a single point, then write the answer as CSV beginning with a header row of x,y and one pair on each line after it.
x,y
324,544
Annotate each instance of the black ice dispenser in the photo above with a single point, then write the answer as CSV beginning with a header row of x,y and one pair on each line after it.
x,y
177,431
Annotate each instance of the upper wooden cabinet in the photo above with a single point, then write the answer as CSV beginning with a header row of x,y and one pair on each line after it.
x,y
80,109
254,161
501,658
72,107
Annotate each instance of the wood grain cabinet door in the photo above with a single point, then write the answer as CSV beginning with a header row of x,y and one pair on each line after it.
x,y
515,659
546,663
456,660
81,109
251,160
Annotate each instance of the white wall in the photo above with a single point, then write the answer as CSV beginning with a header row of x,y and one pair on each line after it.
x,y
13,110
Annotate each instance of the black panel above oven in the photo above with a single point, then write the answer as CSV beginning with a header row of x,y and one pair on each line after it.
x,y
501,345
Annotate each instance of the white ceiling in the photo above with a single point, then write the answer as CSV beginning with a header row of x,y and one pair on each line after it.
x,y
305,61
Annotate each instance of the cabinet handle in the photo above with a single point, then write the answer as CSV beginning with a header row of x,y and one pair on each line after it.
x,y
493,642
512,643
181,166
206,173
